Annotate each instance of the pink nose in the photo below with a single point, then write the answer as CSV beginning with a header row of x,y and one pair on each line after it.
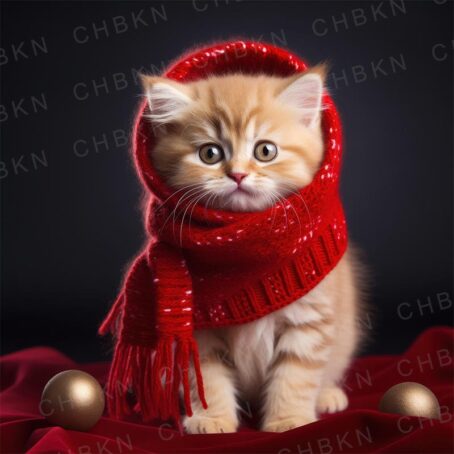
x,y
237,177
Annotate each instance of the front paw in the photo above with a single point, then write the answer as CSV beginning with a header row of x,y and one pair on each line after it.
x,y
331,400
205,425
284,424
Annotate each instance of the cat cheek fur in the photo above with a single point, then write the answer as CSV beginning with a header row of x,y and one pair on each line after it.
x,y
245,110
264,182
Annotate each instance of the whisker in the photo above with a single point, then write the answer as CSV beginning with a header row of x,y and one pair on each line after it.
x,y
179,190
296,215
273,199
295,190
211,198
273,211
194,205
194,193
191,203
279,200
173,212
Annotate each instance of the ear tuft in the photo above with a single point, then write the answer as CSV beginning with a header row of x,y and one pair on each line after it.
x,y
305,94
167,99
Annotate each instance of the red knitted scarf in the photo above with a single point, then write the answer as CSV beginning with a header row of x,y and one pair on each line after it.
x,y
223,268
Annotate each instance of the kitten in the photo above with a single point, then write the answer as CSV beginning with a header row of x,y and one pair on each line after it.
x,y
241,142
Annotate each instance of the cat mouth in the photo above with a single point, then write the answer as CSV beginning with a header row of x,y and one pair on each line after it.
x,y
240,190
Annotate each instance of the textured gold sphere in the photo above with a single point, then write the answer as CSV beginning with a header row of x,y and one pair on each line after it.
x,y
411,399
73,400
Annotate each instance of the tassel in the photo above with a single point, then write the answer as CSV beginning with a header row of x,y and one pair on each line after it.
x,y
155,375
108,325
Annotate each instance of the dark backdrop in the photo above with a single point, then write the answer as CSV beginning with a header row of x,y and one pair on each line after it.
x,y
70,198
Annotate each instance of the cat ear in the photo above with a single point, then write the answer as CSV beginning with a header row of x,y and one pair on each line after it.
x,y
305,94
167,99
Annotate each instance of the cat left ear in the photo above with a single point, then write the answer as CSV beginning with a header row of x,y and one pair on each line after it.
x,y
167,99
305,94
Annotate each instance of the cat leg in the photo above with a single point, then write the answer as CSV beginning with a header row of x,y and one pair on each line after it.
x,y
295,376
219,384
332,397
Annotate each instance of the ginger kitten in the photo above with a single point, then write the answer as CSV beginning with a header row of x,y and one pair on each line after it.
x,y
240,142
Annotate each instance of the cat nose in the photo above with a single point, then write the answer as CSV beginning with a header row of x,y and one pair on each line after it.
x,y
237,176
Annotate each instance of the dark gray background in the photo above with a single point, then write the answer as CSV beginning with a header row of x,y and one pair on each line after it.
x,y
70,227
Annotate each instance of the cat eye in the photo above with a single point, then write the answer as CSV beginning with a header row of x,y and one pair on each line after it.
x,y
265,151
211,154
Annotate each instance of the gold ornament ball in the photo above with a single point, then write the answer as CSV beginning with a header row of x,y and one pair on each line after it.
x,y
73,400
410,399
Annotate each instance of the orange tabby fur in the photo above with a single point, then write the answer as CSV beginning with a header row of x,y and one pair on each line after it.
x,y
292,360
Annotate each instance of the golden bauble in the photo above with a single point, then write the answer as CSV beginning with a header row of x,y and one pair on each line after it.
x,y
411,399
73,400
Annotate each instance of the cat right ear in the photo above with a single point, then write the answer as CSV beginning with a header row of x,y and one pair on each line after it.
x,y
304,92
167,99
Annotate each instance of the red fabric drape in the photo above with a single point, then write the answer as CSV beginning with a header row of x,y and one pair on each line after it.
x,y
361,428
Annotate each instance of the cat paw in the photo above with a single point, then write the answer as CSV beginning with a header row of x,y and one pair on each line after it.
x,y
331,400
282,425
205,425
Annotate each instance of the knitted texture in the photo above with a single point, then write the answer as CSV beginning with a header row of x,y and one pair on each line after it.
x,y
223,268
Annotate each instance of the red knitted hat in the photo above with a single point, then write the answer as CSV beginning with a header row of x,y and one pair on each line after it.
x,y
221,268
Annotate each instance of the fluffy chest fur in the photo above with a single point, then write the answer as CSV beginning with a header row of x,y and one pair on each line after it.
x,y
254,346
307,328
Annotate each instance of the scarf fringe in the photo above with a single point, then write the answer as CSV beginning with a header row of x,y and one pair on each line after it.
x,y
155,375
108,325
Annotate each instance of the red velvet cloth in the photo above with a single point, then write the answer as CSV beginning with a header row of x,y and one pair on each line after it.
x,y
361,428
